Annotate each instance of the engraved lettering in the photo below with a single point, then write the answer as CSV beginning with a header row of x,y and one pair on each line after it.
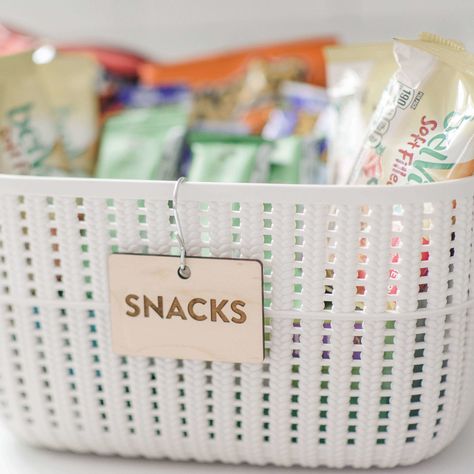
x,y
216,309
198,309
157,308
175,310
191,311
235,308
135,308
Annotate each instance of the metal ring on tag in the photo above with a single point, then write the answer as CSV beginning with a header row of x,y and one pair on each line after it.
x,y
183,270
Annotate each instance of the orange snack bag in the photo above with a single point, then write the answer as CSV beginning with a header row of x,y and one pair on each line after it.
x,y
242,86
224,67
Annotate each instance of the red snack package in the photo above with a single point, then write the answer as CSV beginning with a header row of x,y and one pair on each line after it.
x,y
12,41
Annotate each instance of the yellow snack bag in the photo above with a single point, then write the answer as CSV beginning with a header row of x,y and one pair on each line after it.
x,y
29,142
423,128
356,77
70,81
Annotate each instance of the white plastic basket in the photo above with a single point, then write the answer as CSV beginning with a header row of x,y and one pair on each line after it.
x,y
369,342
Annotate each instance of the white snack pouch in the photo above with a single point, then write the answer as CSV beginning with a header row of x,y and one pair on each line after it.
x,y
423,128
356,76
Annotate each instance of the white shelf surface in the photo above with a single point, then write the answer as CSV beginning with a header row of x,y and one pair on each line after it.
x,y
18,458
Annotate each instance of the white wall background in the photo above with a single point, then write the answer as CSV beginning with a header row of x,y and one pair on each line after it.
x,y
174,29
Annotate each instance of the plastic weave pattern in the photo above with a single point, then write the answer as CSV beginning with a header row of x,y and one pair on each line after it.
x,y
368,326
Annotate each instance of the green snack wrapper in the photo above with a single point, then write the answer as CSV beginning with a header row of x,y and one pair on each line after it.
x,y
228,158
143,143
286,161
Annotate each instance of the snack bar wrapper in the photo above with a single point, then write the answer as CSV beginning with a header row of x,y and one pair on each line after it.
x,y
143,143
301,105
137,96
228,158
423,128
357,75
286,161
295,128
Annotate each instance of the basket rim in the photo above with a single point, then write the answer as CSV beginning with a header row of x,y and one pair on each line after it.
x,y
235,192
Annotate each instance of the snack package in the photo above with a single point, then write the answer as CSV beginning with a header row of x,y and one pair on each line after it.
x,y
222,127
221,68
13,42
299,148
137,96
117,61
228,158
265,86
422,130
249,101
356,77
299,111
143,143
286,161
320,145
119,69
242,86
29,141
71,82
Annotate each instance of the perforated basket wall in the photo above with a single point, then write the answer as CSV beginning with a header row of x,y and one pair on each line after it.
x,y
369,330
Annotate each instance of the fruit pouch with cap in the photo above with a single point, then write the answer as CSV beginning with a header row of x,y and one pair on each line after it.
x,y
423,128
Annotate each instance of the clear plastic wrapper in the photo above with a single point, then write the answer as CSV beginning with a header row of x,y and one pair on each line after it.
x,y
423,128
357,76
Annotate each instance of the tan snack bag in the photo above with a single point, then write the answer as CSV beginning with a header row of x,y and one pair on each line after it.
x,y
29,141
70,81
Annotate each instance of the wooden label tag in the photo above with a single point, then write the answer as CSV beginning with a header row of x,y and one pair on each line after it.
x,y
214,315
